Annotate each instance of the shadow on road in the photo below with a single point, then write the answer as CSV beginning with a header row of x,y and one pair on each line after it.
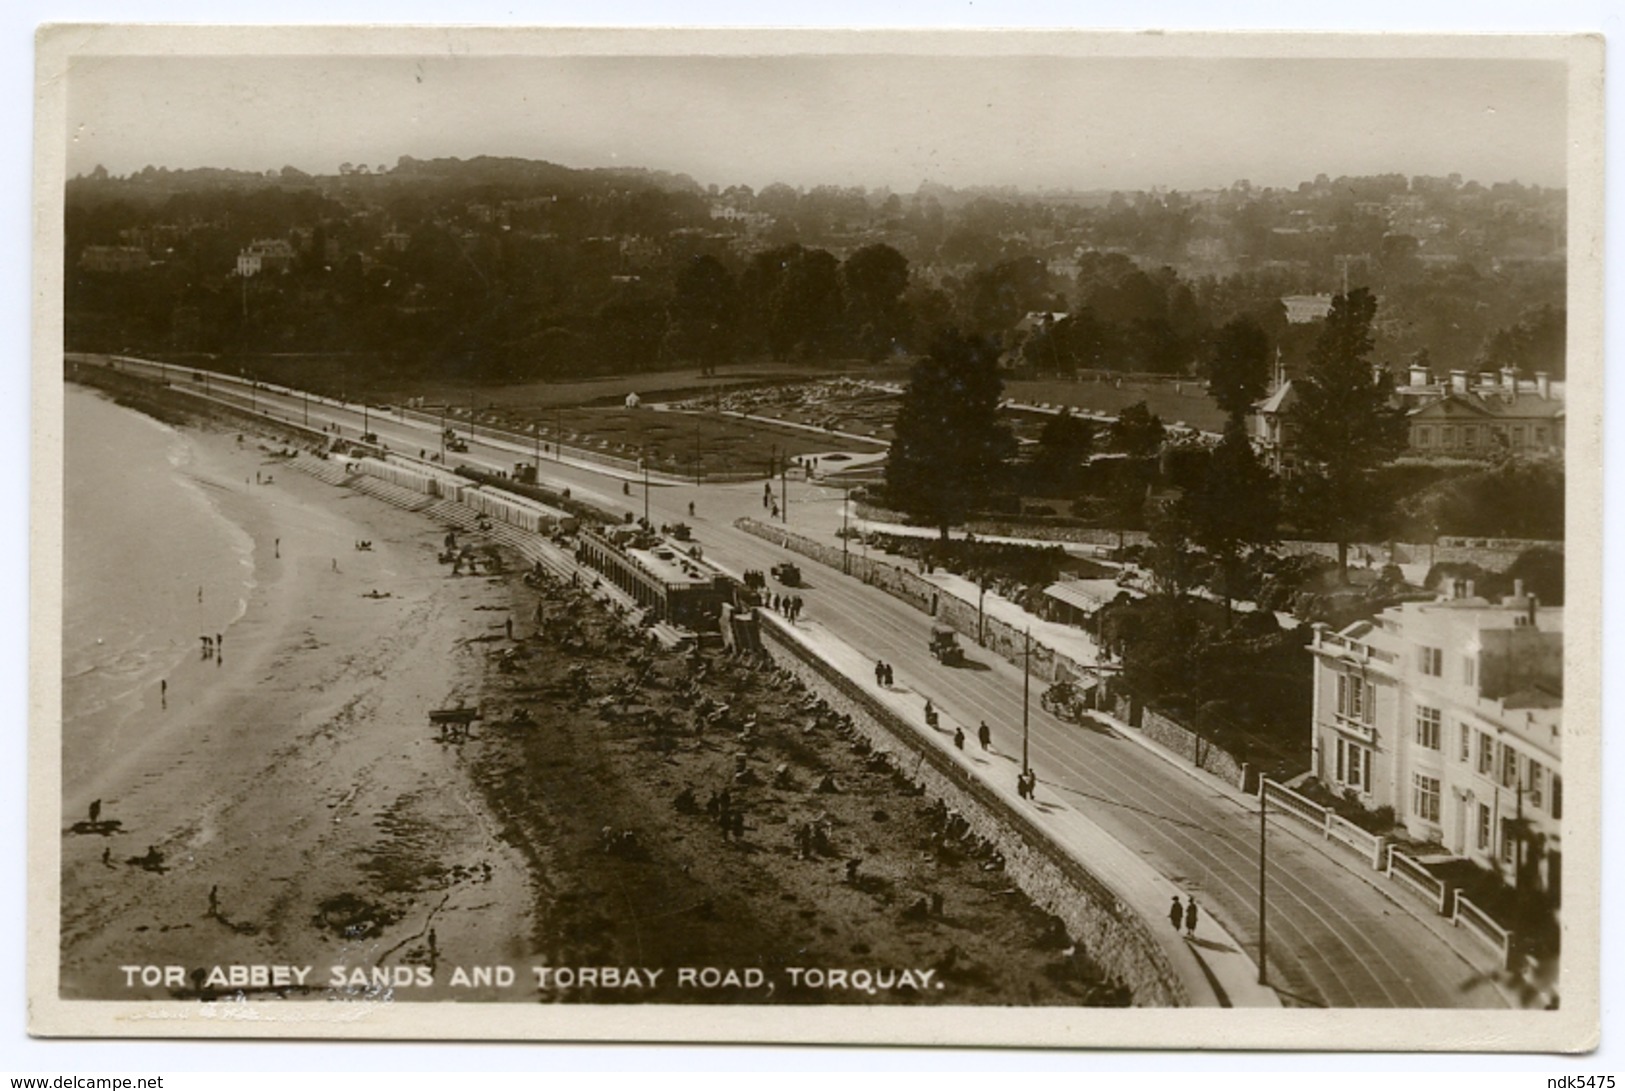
x,y
1170,819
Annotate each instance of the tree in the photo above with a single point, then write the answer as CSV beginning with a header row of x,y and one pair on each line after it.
x,y
1064,445
1345,424
703,320
873,280
1233,506
1237,365
949,447
1137,431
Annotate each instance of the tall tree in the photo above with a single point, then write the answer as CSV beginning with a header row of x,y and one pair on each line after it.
x,y
1137,431
703,320
1344,423
1064,445
949,447
1238,366
1233,506
873,280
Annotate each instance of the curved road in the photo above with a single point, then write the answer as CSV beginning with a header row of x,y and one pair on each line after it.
x,y
1335,938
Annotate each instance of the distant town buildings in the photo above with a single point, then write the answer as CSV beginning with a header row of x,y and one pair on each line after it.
x,y
113,259
1497,413
265,256
1306,308
1450,712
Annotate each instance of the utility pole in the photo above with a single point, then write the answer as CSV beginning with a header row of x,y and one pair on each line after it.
x,y
1026,695
644,462
846,506
784,488
307,408
558,433
1263,845
443,407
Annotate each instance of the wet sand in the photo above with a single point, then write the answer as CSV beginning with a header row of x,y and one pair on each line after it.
x,y
298,771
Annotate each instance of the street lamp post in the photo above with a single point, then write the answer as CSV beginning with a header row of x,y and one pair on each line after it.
x,y
443,407
644,462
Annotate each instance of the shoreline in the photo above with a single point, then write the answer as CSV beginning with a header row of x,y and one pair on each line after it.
x,y
298,768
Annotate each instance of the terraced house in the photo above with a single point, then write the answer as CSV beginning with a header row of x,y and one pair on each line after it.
x,y
1451,712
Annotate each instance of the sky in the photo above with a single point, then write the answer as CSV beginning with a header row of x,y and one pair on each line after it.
x,y
1035,122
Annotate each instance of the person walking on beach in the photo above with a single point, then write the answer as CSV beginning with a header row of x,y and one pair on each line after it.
x,y
1190,919
163,692
959,738
279,548
984,735
335,564
1176,914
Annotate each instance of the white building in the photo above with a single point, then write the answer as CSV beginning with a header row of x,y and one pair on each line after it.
x,y
1451,713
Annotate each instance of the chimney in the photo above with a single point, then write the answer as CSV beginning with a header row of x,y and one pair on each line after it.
x,y
1458,382
1543,384
1517,590
1509,380
1486,379
1420,376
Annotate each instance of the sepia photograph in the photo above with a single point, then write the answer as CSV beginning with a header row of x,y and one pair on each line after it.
x,y
1001,538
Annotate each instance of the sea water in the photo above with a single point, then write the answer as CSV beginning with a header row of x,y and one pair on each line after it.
x,y
150,563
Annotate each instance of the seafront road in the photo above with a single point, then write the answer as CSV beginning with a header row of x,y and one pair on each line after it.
x,y
1336,937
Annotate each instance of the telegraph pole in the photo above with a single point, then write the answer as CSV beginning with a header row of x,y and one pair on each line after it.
x,y
1263,828
846,505
1026,695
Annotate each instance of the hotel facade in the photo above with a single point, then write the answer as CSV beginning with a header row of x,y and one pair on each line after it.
x,y
1450,712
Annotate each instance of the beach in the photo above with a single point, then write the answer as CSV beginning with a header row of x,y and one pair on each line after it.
x,y
285,800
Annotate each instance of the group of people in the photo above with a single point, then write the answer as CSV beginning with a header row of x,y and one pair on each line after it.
x,y
787,605
1185,915
214,647
1026,784
883,673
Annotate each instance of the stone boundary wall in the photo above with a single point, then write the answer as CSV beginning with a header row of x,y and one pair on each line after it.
x,y
1192,747
1116,937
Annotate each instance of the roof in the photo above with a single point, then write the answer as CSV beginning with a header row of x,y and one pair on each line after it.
x,y
1278,401
1086,595
1504,407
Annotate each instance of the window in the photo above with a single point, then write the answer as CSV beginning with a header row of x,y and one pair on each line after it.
x,y
1356,698
1557,796
1430,661
1447,436
1483,826
1469,669
1353,765
1466,741
1427,727
1424,437
1537,785
1425,797
1469,436
1486,753
1509,767
1509,845
1517,435
1540,435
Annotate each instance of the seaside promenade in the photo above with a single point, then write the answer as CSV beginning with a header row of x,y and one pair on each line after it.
x,y
1335,940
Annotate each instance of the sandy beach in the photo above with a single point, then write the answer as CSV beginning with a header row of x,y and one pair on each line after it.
x,y
296,806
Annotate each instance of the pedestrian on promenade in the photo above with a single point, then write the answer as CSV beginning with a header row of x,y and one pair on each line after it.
x,y
984,735
959,738
1190,919
279,548
891,676
163,692
880,673
1176,914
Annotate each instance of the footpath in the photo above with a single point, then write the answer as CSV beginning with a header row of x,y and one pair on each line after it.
x,y
1212,965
